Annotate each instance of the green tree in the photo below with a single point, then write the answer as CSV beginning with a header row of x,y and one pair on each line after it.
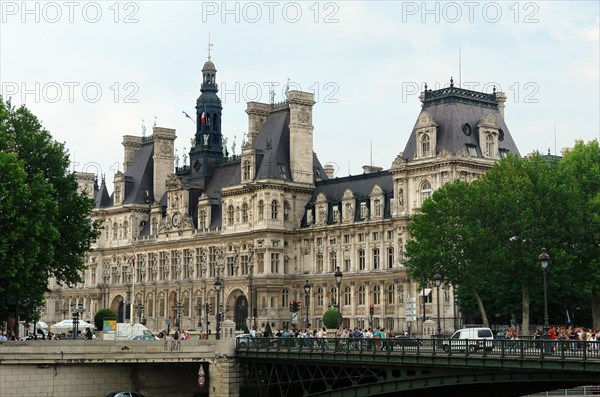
x,y
580,172
101,315
47,232
330,318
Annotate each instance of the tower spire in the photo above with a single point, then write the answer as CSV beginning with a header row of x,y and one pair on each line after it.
x,y
209,46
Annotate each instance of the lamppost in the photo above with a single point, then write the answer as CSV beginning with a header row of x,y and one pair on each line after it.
x,y
178,307
338,280
198,307
307,288
218,286
437,279
64,311
545,261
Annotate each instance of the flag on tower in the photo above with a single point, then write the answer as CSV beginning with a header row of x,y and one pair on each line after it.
x,y
203,118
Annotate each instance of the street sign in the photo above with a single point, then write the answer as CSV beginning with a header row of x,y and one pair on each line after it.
x,y
201,379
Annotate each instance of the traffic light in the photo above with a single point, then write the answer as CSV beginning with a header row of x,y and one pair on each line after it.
x,y
297,306
292,306
371,310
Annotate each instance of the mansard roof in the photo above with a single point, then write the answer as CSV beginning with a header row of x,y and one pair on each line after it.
x,y
452,109
273,146
360,185
139,176
102,198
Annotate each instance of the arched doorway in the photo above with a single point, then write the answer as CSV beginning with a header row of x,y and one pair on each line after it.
x,y
240,312
118,306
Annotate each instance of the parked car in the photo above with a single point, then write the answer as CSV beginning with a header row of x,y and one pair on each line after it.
x,y
402,340
500,335
472,339
242,340
125,394
145,337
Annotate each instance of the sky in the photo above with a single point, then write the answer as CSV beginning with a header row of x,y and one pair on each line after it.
x,y
95,71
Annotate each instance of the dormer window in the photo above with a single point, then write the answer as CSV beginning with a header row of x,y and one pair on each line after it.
x,y
246,169
503,153
282,171
364,211
472,150
425,145
489,145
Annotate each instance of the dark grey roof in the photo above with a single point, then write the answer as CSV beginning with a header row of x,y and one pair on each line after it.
x,y
273,144
451,108
102,198
139,176
360,185
226,174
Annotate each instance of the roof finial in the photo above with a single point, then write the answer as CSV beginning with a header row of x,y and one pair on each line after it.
x,y
494,89
143,129
451,82
272,93
425,87
209,46
287,88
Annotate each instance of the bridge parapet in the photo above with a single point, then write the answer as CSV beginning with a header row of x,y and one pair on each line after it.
x,y
96,351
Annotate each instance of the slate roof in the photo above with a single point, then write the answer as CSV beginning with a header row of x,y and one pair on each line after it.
x,y
102,198
139,176
451,108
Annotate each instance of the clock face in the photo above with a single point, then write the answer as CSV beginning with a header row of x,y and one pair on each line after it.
x,y
176,219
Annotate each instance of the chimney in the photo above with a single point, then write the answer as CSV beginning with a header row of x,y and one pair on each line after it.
x,y
329,170
500,100
370,169
131,144
164,158
301,136
257,114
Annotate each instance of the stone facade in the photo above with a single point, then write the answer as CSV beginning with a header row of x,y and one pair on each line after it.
x,y
271,220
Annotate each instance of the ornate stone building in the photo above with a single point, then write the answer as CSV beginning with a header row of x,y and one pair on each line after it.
x,y
273,220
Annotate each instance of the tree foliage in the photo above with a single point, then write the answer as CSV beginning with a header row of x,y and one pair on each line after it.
x,y
330,318
101,315
485,237
45,229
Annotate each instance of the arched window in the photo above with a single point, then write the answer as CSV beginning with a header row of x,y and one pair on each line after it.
x,y
230,215
286,211
347,296
376,295
274,208
285,296
319,296
390,294
425,191
425,146
361,295
261,210
489,145
245,213
246,169
202,220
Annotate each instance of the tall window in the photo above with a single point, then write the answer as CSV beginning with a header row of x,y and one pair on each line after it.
x,y
245,213
361,259
361,295
390,257
348,214
274,262
376,264
319,263
425,191
378,207
261,210
347,296
376,295
489,145
274,208
285,296
319,296
425,145
230,215
246,169
347,262
332,261
390,294
336,214
260,262
364,211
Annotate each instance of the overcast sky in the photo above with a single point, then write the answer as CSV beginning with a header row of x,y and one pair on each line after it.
x,y
92,71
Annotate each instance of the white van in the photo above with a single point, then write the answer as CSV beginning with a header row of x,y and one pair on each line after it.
x,y
472,339
127,331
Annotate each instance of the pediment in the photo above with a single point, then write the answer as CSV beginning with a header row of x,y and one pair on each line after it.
x,y
488,120
425,120
348,195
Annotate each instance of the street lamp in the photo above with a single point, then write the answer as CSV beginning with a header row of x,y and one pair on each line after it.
x,y
198,307
437,279
545,261
338,280
307,288
218,286
178,307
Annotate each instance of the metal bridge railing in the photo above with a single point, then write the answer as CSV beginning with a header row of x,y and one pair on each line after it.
x,y
540,349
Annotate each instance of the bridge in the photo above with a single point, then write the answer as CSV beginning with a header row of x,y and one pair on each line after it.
x,y
413,367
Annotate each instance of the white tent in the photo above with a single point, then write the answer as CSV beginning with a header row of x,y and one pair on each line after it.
x,y
68,325
41,324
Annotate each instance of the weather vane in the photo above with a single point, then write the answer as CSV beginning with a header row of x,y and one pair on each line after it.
x,y
209,46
